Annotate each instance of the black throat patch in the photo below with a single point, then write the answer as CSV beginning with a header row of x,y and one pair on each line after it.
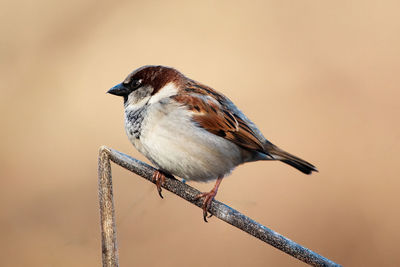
x,y
134,120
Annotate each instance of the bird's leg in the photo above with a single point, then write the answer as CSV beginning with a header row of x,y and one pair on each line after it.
x,y
159,178
208,198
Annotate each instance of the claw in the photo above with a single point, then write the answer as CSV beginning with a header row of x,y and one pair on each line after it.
x,y
208,198
159,179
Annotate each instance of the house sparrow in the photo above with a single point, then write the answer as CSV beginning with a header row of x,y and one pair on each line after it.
x,y
188,129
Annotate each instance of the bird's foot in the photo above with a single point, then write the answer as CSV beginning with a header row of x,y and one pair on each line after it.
x,y
208,198
159,179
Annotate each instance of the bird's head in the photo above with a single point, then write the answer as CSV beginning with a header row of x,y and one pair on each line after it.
x,y
145,82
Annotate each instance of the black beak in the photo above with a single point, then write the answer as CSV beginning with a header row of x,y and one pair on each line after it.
x,y
119,90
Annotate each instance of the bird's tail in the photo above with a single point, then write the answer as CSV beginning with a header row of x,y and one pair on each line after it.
x,y
291,160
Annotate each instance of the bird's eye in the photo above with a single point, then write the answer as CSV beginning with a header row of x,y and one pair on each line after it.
x,y
135,84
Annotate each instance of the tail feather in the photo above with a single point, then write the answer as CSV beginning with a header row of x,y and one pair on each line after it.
x,y
298,163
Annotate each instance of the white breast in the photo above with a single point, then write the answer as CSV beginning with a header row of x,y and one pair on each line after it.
x,y
171,140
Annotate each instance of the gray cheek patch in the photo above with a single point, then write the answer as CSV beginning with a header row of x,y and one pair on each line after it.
x,y
142,92
139,94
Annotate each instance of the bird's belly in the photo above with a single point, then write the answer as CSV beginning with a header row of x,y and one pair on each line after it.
x,y
179,147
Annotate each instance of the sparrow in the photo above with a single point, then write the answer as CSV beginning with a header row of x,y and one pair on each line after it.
x,y
189,130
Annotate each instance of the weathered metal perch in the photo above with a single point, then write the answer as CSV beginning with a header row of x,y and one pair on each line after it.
x,y
218,209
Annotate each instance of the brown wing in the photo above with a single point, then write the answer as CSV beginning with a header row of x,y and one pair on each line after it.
x,y
211,115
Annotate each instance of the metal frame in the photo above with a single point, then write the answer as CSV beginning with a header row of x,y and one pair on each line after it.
x,y
218,209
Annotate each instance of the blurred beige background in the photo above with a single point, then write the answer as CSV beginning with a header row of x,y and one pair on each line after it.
x,y
320,78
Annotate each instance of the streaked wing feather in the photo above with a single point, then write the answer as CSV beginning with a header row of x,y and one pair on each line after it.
x,y
216,118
